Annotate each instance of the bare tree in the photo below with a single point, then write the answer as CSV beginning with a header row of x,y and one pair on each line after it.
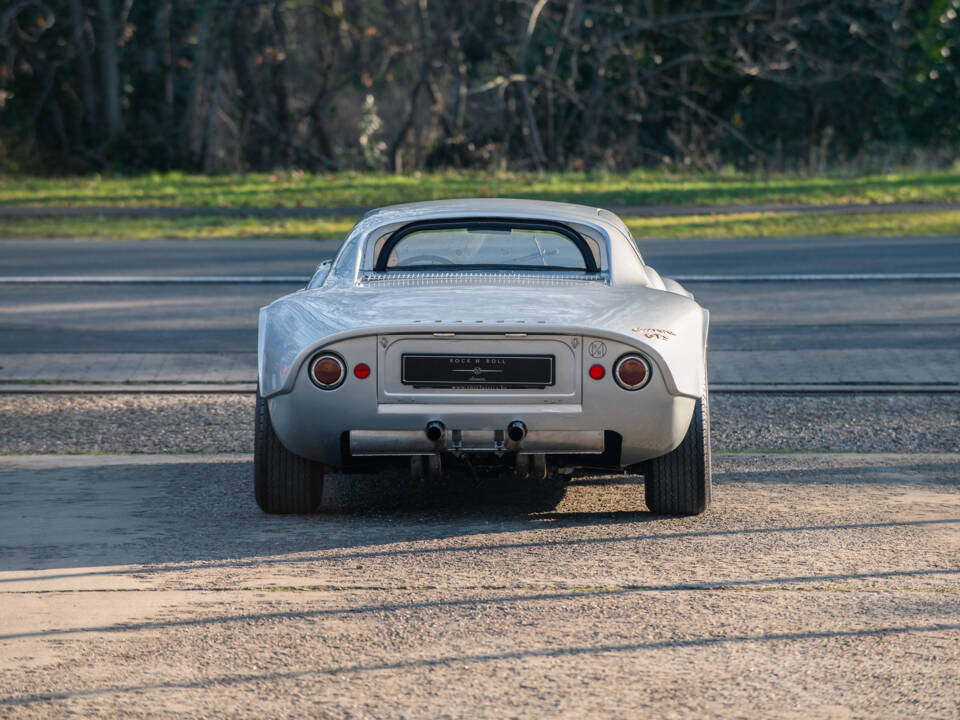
x,y
261,84
109,73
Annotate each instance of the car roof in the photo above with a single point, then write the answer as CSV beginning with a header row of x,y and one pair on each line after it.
x,y
500,207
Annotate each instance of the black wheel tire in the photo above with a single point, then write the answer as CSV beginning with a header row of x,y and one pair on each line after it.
x,y
283,483
678,483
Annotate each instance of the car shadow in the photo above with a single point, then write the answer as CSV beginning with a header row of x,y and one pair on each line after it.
x,y
87,514
164,516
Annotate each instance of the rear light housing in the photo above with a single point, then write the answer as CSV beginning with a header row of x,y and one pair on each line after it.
x,y
632,371
327,371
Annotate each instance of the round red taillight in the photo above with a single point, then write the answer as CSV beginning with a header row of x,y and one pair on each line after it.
x,y
327,371
632,372
597,372
361,370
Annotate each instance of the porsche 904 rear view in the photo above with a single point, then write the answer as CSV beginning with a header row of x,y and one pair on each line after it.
x,y
509,334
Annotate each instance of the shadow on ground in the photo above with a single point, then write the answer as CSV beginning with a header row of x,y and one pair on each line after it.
x,y
94,514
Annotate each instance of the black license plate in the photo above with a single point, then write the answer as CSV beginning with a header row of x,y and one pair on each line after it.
x,y
477,370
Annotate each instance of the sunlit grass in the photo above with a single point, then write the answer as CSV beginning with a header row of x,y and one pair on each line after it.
x,y
797,224
690,226
188,227
293,189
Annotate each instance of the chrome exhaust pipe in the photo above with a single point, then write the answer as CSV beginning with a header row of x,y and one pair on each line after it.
x,y
516,431
434,431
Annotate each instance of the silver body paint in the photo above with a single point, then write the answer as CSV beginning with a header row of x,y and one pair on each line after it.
x,y
371,317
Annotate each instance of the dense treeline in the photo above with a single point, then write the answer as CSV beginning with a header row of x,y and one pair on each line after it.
x,y
407,84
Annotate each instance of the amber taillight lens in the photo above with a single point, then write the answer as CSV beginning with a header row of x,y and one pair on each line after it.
x,y
327,371
632,372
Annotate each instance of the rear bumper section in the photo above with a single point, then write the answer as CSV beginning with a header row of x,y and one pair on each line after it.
x,y
415,442
368,416
327,427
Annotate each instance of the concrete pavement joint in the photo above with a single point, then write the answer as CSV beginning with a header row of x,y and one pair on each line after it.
x,y
154,279
241,388
302,279
819,277
202,454
837,388
66,387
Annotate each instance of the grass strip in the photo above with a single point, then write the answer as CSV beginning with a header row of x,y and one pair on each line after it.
x,y
690,226
641,187
797,225
191,227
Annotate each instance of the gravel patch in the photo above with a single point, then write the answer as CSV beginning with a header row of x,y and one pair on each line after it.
x,y
820,586
121,423
864,423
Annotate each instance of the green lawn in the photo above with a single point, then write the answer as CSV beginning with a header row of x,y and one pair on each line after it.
x,y
797,224
695,226
292,189
194,226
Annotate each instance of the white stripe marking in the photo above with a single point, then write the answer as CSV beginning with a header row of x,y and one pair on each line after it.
x,y
813,277
303,279
151,279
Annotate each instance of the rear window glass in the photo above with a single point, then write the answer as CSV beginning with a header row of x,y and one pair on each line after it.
x,y
431,248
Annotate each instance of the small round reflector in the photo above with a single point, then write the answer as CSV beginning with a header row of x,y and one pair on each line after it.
x,y
361,370
597,372
632,372
327,371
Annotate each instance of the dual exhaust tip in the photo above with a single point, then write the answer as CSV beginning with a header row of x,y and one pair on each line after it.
x,y
516,431
435,429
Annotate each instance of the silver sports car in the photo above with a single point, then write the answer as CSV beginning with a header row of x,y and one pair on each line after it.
x,y
523,336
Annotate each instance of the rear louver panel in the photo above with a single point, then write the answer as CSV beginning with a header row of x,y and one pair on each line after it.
x,y
528,279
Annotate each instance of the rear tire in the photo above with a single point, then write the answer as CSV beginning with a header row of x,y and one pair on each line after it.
x,y
282,482
678,483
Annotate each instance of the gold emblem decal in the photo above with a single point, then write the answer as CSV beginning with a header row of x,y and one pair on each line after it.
x,y
655,333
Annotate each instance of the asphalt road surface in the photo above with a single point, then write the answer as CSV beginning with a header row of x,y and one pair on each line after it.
x,y
222,318
299,257
151,586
